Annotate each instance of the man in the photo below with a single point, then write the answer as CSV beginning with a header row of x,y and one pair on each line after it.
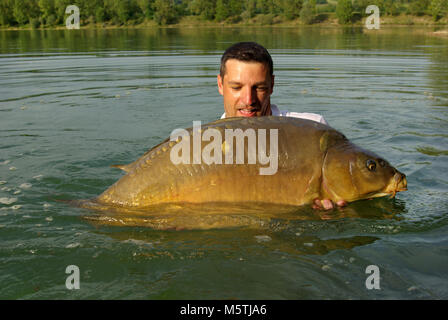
x,y
246,82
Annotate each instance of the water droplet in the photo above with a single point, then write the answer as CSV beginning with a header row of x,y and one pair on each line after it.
x,y
263,238
72,245
308,244
325,267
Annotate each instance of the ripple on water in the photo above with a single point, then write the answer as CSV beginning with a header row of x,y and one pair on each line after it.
x,y
7,201
25,185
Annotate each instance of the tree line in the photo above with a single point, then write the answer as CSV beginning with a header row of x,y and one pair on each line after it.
x,y
49,13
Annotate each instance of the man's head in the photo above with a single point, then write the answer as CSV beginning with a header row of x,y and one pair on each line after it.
x,y
246,80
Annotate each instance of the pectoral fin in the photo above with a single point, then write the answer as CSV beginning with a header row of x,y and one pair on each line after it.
x,y
123,167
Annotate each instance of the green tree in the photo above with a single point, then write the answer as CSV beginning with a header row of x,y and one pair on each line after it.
x,y
203,8
361,5
419,7
235,7
344,11
20,12
46,7
222,11
250,8
290,8
267,6
6,14
123,10
164,12
438,8
59,7
391,7
308,12
146,6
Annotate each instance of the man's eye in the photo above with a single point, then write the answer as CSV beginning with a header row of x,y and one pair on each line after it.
x,y
236,88
262,88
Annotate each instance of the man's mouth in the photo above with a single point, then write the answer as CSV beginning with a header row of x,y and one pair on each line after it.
x,y
247,112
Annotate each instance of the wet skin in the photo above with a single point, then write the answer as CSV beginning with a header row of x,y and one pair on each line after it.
x,y
246,88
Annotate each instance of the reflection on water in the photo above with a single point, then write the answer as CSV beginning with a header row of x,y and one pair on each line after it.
x,y
181,216
230,243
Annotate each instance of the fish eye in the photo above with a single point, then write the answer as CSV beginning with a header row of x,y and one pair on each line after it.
x,y
371,165
382,162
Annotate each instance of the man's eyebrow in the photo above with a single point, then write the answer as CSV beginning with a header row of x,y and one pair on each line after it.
x,y
264,83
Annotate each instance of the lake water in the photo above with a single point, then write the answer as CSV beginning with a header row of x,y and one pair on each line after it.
x,y
73,102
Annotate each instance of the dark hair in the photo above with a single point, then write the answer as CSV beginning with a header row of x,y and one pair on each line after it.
x,y
247,51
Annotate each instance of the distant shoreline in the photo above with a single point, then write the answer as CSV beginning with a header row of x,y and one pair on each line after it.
x,y
194,22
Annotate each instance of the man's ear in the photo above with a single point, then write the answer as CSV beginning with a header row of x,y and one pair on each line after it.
x,y
220,88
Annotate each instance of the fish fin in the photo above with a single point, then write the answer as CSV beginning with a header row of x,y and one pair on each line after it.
x,y
123,167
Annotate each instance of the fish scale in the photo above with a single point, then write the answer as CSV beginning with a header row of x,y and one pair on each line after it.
x,y
315,161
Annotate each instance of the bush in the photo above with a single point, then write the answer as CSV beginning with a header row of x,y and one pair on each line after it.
x,y
265,19
438,9
291,8
344,11
222,11
325,8
419,7
100,14
51,20
34,23
164,12
308,12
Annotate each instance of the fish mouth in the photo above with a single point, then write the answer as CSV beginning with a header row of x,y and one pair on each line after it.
x,y
398,183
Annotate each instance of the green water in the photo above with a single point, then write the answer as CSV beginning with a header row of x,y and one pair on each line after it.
x,y
73,102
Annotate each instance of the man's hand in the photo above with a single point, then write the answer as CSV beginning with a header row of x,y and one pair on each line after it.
x,y
327,204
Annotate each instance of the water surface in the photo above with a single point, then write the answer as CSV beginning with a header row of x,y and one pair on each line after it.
x,y
73,102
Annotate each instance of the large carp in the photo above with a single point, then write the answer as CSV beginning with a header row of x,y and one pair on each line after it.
x,y
314,162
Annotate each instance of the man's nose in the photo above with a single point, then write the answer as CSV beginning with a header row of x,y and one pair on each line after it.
x,y
249,96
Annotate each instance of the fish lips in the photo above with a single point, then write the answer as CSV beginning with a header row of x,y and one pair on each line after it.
x,y
398,184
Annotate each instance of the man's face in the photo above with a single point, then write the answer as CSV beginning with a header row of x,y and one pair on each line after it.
x,y
246,88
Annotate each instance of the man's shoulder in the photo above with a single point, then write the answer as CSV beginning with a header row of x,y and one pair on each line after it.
x,y
306,115
302,115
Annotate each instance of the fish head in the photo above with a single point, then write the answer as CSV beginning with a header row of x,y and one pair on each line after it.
x,y
351,173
